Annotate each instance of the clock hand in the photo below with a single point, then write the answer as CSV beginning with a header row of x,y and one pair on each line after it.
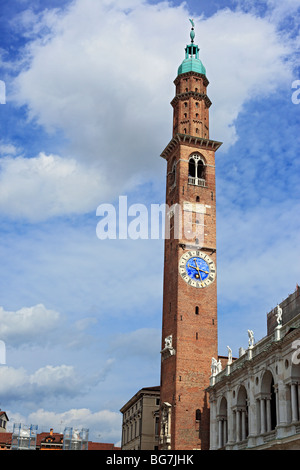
x,y
199,274
199,269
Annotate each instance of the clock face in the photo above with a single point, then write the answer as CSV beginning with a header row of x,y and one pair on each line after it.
x,y
197,269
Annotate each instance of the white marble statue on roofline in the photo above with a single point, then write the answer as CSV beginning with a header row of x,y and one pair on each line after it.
x,y
251,338
229,355
213,366
216,366
278,315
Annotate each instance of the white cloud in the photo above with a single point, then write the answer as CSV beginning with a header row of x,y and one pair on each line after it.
x,y
54,379
103,75
27,325
245,60
48,185
7,149
18,384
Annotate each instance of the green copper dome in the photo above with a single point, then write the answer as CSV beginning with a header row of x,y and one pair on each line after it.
x,y
192,63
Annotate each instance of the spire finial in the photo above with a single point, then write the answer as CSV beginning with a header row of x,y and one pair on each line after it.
x,y
192,33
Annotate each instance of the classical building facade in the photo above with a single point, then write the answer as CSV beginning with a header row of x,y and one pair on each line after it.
x,y
189,325
255,399
140,424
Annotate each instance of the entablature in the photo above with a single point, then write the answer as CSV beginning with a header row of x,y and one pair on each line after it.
x,y
194,94
186,139
191,74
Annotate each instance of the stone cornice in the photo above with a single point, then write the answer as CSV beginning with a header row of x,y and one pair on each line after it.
x,y
188,94
189,74
186,139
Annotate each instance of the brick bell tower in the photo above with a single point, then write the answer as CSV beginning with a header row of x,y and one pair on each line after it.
x,y
189,326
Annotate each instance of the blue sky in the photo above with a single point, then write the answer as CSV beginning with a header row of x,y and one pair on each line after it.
x,y
87,114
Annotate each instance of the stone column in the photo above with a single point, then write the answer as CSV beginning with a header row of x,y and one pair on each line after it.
x,y
230,421
238,425
224,432
258,419
243,424
220,433
294,401
262,416
277,403
214,441
269,422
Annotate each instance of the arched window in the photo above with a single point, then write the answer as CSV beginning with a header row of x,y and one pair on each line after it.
x,y
241,414
196,170
198,415
267,403
222,418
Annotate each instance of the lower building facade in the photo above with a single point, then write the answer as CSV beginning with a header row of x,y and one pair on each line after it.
x,y
255,400
140,425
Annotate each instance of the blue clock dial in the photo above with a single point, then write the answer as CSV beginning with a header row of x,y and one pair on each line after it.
x,y
197,269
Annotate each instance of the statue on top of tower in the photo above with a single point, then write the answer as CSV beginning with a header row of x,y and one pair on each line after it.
x,y
192,34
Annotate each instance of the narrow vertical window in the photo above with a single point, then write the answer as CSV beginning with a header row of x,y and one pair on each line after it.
x,y
192,168
201,169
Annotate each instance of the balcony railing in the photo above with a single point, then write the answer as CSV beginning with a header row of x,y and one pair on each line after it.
x,y
196,181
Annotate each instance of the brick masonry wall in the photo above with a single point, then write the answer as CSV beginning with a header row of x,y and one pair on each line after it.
x,y
185,376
